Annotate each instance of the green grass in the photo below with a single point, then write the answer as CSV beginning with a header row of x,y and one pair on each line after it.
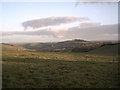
x,y
108,50
31,69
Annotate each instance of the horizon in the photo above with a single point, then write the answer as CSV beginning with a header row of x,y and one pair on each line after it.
x,y
116,41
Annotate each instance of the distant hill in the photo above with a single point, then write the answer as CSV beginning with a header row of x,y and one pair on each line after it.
x,y
12,47
64,46
76,45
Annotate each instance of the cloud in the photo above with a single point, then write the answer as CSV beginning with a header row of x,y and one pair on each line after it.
x,y
28,38
87,25
92,33
102,32
58,29
33,33
50,21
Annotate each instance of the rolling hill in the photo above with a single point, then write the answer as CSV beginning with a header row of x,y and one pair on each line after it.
x,y
25,68
12,47
64,46
76,45
22,68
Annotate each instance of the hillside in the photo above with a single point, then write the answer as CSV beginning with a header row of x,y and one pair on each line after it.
x,y
107,49
23,68
33,69
65,46
12,47
75,45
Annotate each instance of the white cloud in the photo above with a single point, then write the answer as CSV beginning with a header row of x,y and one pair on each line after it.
x,y
58,29
28,38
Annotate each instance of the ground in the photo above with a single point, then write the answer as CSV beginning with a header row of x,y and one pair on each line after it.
x,y
33,69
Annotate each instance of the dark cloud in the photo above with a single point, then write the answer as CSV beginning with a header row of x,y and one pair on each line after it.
x,y
44,22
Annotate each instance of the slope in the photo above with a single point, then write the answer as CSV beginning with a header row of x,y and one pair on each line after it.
x,y
108,49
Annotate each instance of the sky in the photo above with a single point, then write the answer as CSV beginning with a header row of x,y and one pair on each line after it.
x,y
14,14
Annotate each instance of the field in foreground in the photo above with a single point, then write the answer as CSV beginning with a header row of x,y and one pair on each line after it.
x,y
32,69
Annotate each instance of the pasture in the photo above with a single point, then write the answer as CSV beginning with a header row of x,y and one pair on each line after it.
x,y
33,69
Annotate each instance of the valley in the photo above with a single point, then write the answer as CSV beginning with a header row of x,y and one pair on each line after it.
x,y
26,67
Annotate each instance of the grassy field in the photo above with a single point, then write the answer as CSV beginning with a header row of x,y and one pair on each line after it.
x,y
32,69
108,50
